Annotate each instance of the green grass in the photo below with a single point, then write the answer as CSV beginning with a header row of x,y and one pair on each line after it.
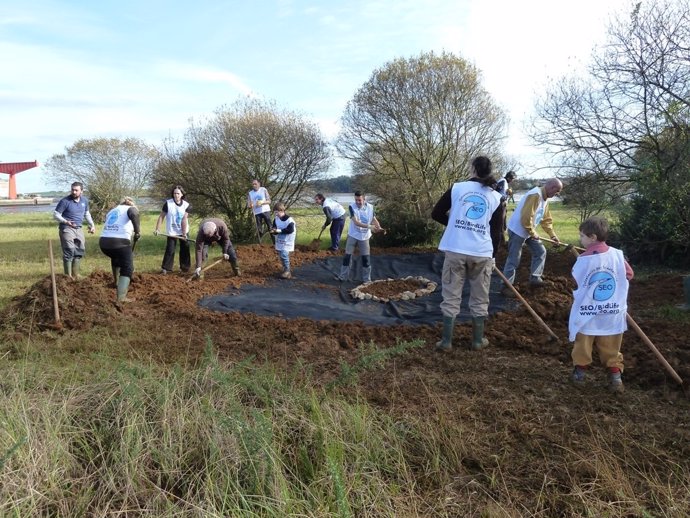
x,y
85,433
24,254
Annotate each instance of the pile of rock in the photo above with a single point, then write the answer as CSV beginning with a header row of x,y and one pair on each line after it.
x,y
426,287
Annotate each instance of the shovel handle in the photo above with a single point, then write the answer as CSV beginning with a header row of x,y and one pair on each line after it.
x,y
526,304
656,351
181,238
215,263
579,248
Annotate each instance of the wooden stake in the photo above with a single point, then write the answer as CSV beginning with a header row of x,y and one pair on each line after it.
x,y
56,308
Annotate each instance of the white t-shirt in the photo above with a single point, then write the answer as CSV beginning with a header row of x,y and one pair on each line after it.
x,y
468,231
259,195
364,215
285,241
118,224
600,300
514,223
174,217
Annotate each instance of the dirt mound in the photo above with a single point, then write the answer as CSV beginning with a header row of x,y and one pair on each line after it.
x,y
166,309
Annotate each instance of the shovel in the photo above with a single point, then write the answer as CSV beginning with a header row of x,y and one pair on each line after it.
x,y
316,243
216,263
181,238
572,248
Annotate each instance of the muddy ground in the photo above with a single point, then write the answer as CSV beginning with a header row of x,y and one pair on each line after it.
x,y
519,384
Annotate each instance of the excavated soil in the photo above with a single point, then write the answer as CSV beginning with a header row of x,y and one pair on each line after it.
x,y
522,370
173,325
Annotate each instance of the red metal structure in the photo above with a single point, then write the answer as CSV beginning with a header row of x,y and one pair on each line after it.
x,y
12,168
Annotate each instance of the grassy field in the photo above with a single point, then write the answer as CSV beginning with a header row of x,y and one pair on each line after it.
x,y
85,431
24,251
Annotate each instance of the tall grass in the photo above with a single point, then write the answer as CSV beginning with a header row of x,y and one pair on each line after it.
x,y
215,440
135,439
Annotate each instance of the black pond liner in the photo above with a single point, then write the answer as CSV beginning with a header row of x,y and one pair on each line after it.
x,y
314,293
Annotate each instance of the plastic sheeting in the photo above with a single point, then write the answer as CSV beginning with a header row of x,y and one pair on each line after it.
x,y
316,294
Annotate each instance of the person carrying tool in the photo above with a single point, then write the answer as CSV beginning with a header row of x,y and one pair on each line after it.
x,y
532,210
335,217
70,212
259,201
285,231
362,223
598,314
175,212
120,232
471,213
211,231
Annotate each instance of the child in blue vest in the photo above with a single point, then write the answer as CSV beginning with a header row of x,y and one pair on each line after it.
x,y
598,315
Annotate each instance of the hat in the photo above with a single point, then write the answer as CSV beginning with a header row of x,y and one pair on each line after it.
x,y
510,175
208,228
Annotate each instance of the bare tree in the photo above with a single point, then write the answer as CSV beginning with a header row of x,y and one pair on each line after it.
x,y
637,86
251,139
417,123
625,127
109,168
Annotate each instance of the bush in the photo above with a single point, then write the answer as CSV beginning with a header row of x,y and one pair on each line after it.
x,y
404,228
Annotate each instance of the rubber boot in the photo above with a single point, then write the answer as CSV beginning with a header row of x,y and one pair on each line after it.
x,y
445,344
366,274
67,267
75,267
344,273
235,268
478,340
122,288
116,275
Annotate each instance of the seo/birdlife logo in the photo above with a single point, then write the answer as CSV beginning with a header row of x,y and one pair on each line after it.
x,y
477,206
111,218
603,285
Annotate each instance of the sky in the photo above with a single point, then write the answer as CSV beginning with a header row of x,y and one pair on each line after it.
x,y
73,69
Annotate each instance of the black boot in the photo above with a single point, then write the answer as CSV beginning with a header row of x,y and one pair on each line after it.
x,y
235,268
445,344
478,340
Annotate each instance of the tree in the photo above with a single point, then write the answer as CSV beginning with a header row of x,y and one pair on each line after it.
x,y
109,168
635,87
416,124
620,125
251,139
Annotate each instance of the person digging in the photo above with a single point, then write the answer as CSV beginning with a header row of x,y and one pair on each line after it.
x,y
212,231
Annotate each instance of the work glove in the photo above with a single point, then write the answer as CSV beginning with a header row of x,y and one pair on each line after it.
x,y
323,227
226,257
197,271
493,262
155,232
137,237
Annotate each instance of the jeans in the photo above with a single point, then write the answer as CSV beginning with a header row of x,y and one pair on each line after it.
x,y
337,226
537,250
285,259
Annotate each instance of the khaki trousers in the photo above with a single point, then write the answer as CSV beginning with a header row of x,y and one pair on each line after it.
x,y
609,348
457,268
